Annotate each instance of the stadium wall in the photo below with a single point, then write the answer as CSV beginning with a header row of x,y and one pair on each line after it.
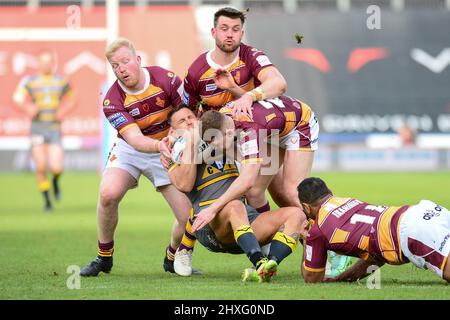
x,y
360,82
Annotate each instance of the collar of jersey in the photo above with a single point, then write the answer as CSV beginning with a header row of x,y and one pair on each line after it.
x,y
214,65
146,85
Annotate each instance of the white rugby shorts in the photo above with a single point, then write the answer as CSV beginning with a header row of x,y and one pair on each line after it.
x,y
424,232
125,157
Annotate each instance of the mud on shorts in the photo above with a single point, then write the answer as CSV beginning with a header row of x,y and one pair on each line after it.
x,y
424,232
208,239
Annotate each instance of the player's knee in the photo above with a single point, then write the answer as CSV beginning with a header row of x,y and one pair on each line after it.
x,y
235,208
255,195
290,195
109,197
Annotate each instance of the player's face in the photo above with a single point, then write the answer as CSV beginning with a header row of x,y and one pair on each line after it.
x,y
228,34
126,67
183,119
46,63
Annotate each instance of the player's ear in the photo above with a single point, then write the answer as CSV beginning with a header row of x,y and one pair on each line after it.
x,y
213,32
138,59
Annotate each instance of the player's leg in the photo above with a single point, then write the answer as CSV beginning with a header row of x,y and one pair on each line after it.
x,y
297,166
114,185
256,196
231,225
56,163
39,155
281,228
181,236
180,205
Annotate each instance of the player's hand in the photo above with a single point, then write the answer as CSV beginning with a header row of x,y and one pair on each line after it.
x,y
224,80
203,218
242,107
163,147
166,162
32,110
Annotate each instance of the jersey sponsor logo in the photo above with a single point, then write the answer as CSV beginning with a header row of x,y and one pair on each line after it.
x,y
117,119
308,252
106,102
211,87
160,102
145,107
135,112
263,61
249,148
170,74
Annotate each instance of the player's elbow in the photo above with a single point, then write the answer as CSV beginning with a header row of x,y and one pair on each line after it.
x,y
310,277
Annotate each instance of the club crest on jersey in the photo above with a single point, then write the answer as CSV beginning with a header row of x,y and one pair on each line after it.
x,y
160,102
211,87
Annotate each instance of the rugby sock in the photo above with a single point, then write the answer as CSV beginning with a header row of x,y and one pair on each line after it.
x,y
56,185
105,250
44,187
188,240
246,239
281,246
170,252
264,208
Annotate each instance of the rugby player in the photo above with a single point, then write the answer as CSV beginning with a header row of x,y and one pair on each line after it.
x,y
419,234
46,97
232,70
136,105
293,127
237,227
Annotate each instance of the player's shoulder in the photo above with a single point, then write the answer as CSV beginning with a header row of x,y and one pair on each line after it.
x,y
114,94
248,51
197,67
160,72
25,80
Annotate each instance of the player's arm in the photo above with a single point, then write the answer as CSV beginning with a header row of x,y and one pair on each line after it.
x,y
272,85
314,256
245,180
22,99
311,276
67,102
357,271
134,137
183,174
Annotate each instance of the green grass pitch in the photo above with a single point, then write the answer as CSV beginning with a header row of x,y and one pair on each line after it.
x,y
37,248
